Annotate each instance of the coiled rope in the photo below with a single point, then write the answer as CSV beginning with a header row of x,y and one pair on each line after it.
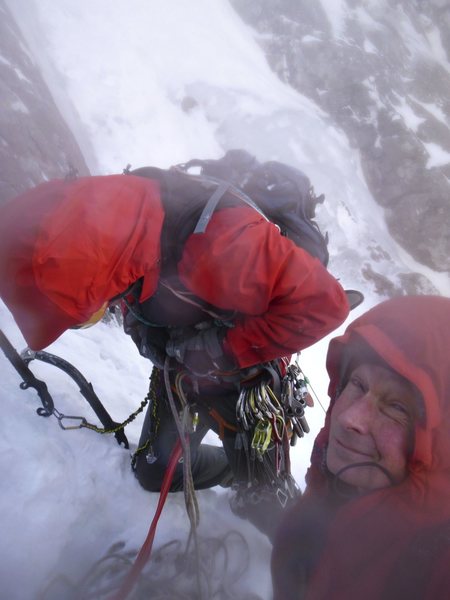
x,y
168,576
182,448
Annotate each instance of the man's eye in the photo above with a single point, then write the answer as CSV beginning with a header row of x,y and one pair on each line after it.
x,y
399,406
357,383
399,410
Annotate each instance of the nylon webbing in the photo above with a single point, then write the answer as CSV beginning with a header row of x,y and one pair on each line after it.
x,y
210,207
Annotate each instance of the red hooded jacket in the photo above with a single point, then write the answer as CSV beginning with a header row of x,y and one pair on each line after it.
x,y
67,247
394,542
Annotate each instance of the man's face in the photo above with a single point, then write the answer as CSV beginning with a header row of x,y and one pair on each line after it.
x,y
372,421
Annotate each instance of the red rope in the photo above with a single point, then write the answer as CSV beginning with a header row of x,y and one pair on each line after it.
x,y
145,551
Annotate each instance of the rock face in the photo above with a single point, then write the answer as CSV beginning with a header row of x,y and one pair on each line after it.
x,y
35,142
381,69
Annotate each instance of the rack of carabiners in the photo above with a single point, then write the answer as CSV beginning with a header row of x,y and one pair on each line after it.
x,y
271,417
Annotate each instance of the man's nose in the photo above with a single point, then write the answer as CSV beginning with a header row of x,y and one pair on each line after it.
x,y
360,414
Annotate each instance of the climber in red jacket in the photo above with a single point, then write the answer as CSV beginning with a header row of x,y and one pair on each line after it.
x,y
374,521
241,295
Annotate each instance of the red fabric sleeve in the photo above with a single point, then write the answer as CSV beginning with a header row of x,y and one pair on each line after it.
x,y
285,298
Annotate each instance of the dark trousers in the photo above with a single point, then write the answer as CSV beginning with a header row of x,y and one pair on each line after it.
x,y
211,465
270,489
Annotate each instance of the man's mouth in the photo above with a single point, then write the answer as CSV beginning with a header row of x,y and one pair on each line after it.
x,y
356,451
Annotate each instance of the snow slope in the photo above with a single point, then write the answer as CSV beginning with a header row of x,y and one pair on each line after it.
x,y
121,72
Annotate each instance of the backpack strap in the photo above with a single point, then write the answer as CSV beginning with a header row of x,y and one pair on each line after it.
x,y
189,202
210,207
281,194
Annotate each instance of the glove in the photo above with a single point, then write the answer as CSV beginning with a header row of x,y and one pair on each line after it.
x,y
150,341
200,351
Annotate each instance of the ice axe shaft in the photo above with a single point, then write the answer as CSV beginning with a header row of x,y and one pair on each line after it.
x,y
29,380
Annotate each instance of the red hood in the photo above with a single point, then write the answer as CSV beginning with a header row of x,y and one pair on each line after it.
x,y
412,335
370,533
67,247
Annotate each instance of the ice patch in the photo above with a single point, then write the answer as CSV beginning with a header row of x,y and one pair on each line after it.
x,y
438,157
19,106
20,75
409,116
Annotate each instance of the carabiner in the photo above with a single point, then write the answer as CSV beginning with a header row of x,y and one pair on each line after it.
x,y
262,436
278,425
60,417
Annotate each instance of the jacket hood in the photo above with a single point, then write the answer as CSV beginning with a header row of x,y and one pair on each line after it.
x,y
67,247
384,543
411,334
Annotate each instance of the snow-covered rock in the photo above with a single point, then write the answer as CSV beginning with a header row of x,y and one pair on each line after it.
x,y
381,70
35,142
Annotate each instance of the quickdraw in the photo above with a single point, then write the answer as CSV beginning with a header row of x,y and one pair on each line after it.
x,y
84,423
294,392
269,417
87,391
